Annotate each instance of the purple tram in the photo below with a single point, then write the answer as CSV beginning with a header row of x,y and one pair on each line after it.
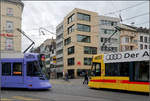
x,y
18,70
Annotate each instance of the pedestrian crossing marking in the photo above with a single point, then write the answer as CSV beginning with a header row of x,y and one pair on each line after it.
x,y
25,98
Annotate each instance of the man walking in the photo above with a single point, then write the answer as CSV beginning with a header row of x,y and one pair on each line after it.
x,y
85,78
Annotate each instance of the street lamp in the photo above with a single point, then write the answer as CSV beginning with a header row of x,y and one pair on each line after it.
x,y
40,31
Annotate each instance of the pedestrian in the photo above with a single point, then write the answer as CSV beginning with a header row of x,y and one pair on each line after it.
x,y
66,77
86,79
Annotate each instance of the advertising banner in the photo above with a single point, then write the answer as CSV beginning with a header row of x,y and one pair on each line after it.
x,y
140,55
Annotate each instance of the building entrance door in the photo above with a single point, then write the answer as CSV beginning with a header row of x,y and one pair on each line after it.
x,y
71,73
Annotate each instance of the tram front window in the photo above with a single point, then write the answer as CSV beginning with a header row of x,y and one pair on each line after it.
x,y
96,69
33,69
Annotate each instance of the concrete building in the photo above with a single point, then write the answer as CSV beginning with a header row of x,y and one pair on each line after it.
x,y
143,38
11,17
80,41
106,29
128,38
48,49
84,32
59,49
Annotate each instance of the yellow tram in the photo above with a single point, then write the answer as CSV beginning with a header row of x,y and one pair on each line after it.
x,y
121,70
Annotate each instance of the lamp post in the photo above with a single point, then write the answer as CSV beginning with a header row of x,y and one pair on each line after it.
x,y
54,69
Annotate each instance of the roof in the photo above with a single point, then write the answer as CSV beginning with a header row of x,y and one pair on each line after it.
x,y
15,1
11,55
144,30
127,27
138,29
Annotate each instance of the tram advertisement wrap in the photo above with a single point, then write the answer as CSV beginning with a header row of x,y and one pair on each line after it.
x,y
127,56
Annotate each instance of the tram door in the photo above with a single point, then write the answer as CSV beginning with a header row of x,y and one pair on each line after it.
x,y
12,73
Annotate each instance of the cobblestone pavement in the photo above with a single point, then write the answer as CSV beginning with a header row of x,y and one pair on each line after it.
x,y
73,90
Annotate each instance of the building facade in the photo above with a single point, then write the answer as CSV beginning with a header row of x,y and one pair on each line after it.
x,y
80,41
59,49
128,38
143,38
48,50
106,29
11,17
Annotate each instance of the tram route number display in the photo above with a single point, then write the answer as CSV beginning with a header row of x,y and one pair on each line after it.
x,y
127,56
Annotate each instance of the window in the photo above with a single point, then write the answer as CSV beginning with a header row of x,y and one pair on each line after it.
x,y
71,29
104,48
111,40
6,69
83,38
10,11
60,28
107,31
33,69
70,50
59,44
59,59
145,39
82,16
141,38
96,69
59,36
145,46
70,61
17,69
87,61
117,69
141,46
108,23
9,26
90,50
127,40
67,41
102,39
141,71
84,28
59,52
71,18
9,44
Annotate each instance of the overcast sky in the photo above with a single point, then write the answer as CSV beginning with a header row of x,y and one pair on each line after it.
x,y
49,14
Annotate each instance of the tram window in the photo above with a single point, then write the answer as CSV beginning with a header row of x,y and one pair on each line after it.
x,y
97,69
33,69
17,69
124,68
112,69
141,71
6,69
117,69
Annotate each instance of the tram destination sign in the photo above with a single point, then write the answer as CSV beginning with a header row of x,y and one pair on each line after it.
x,y
140,55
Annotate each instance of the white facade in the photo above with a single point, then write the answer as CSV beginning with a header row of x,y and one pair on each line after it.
x,y
106,29
59,47
143,41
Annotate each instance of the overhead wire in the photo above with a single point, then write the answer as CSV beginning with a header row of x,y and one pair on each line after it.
x,y
136,16
132,6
